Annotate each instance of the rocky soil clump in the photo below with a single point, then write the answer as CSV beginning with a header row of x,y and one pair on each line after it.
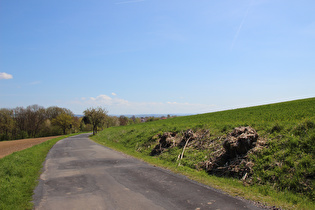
x,y
233,159
166,140
228,154
240,141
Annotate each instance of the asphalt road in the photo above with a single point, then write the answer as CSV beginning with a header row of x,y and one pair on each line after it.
x,y
81,174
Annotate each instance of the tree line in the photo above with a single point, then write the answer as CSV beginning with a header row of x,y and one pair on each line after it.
x,y
36,121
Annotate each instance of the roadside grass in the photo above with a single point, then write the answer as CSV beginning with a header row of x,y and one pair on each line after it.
x,y
284,170
19,174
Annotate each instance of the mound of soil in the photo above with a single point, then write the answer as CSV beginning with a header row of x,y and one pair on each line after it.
x,y
166,140
232,159
240,141
171,139
229,154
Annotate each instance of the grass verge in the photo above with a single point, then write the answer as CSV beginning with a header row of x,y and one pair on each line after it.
x,y
261,194
19,173
283,171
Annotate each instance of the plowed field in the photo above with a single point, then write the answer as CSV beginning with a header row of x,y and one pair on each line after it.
x,y
8,147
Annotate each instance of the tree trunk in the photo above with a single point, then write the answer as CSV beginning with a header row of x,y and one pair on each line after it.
x,y
94,130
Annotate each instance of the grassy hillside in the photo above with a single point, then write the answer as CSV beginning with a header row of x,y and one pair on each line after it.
x,y
284,161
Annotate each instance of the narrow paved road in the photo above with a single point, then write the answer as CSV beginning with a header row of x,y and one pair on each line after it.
x,y
81,174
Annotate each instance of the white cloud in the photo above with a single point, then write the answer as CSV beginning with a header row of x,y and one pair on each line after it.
x,y
122,106
4,75
101,98
114,94
104,100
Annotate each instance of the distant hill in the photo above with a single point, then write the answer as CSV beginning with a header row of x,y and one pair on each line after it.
x,y
151,115
143,115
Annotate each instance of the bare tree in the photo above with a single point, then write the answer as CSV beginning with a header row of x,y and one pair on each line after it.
x,y
35,118
20,122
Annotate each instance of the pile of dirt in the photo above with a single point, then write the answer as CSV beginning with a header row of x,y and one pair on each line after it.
x,y
240,141
233,158
187,138
228,154
166,140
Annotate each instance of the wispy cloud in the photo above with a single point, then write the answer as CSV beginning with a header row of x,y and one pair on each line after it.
x,y
35,83
4,75
128,2
114,94
240,26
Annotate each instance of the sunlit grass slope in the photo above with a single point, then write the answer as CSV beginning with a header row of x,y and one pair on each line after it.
x,y
286,164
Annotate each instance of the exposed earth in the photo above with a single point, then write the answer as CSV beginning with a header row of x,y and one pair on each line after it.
x,y
8,147
229,153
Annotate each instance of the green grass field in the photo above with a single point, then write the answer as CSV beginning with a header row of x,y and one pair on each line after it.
x,y
19,174
283,172
284,169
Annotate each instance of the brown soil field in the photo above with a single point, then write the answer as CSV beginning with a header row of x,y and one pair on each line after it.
x,y
8,147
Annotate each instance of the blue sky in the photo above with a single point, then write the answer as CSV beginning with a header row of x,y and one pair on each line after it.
x,y
156,56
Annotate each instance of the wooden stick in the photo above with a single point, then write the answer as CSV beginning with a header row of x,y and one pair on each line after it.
x,y
178,157
244,177
182,155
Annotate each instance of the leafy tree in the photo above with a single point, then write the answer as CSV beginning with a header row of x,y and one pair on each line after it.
x,y
138,120
111,121
86,120
63,121
76,124
96,116
123,120
56,116
114,121
6,123
133,118
150,119
35,121
53,111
